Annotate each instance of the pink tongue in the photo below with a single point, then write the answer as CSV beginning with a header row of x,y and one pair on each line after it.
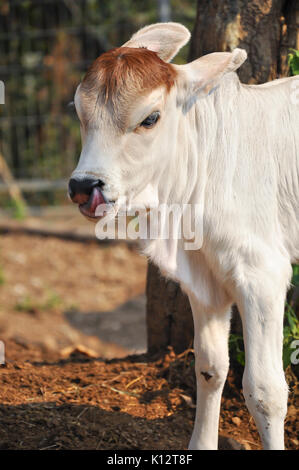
x,y
96,198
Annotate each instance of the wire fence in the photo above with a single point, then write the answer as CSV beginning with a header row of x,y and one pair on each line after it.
x,y
45,48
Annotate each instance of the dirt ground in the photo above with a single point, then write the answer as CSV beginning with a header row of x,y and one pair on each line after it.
x,y
57,293
79,402
64,386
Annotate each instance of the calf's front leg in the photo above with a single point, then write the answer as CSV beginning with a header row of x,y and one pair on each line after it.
x,y
211,330
261,305
264,384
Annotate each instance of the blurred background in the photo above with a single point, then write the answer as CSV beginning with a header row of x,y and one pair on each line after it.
x,y
46,46
59,287
57,283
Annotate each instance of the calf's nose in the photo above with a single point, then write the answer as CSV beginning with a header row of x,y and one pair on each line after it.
x,y
81,189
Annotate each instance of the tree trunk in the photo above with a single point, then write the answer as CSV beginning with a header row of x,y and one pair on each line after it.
x,y
169,316
267,29
254,25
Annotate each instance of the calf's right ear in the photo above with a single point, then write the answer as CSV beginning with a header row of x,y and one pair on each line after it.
x,y
204,74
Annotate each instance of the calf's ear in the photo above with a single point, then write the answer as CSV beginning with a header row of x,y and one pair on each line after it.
x,y
204,74
164,38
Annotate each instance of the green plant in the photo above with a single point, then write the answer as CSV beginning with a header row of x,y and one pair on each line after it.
x,y
290,334
2,277
19,209
26,304
236,348
16,207
293,61
53,301
295,278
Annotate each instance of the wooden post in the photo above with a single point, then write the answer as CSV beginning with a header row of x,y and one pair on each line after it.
x,y
169,315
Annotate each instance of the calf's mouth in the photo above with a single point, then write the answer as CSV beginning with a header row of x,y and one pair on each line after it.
x,y
97,206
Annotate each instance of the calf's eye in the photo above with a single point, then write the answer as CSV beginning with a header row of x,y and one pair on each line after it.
x,y
151,120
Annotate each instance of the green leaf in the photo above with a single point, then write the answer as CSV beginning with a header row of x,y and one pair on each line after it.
x,y
295,278
293,62
241,358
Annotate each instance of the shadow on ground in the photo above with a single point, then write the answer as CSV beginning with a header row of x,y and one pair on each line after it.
x,y
45,426
125,325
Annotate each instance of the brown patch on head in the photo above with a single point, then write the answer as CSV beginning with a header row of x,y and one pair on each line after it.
x,y
124,73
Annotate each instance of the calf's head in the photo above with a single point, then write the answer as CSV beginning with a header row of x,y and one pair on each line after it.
x,y
130,105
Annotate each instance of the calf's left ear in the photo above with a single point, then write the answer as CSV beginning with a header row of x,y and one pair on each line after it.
x,y
205,73
164,38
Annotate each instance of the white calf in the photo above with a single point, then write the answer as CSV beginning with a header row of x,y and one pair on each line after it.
x,y
193,134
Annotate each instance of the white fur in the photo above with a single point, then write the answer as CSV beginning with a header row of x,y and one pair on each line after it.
x,y
233,149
